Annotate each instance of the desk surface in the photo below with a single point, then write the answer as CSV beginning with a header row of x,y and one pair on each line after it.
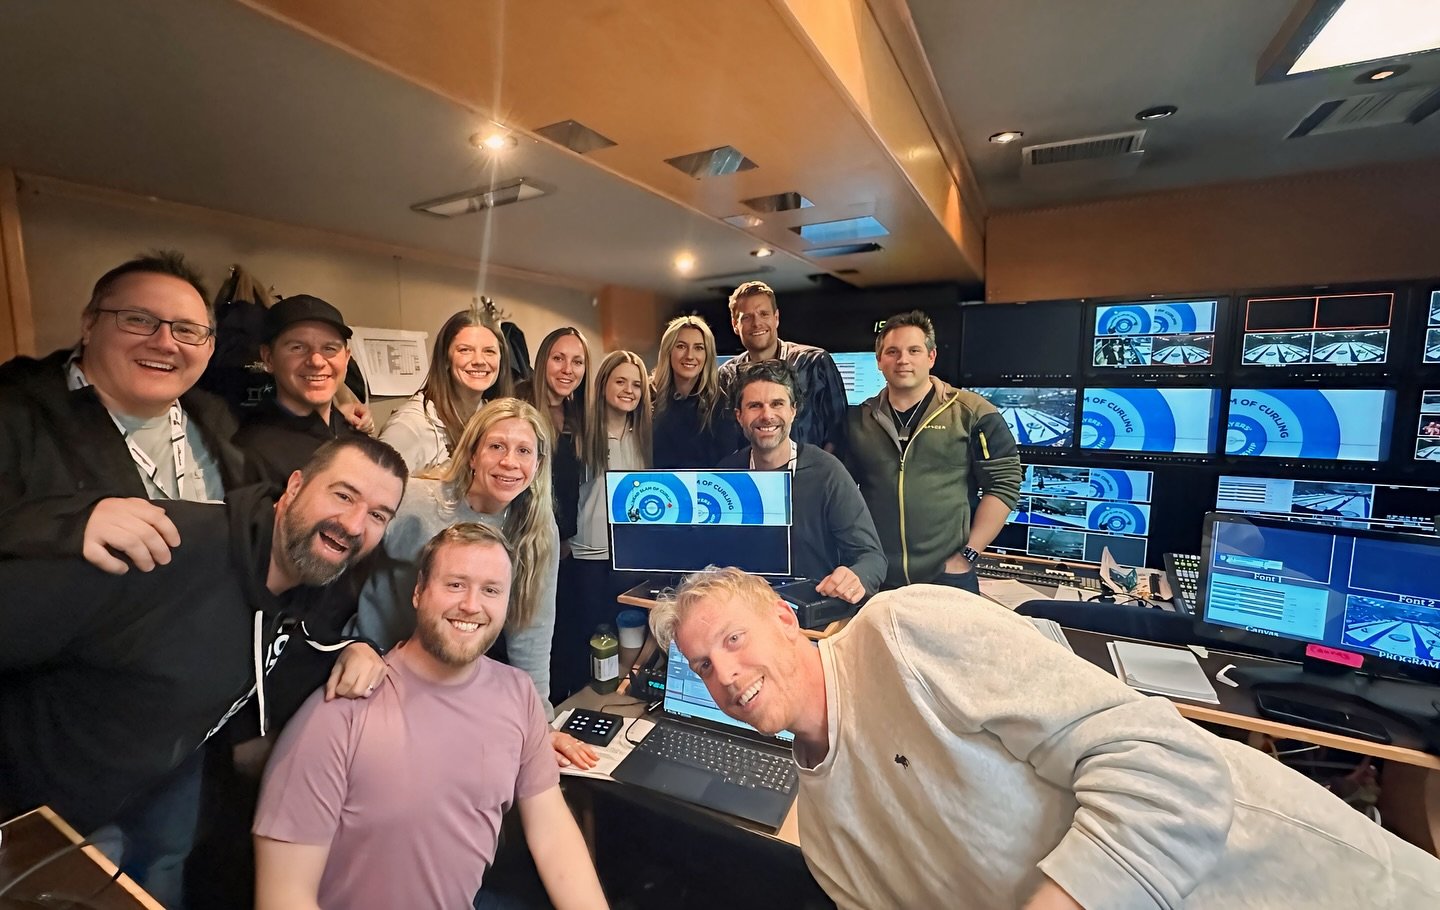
x,y
78,874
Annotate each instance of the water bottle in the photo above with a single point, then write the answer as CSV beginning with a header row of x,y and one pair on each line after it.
x,y
604,659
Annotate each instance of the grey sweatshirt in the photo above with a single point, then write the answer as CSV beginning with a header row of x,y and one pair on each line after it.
x,y
1022,760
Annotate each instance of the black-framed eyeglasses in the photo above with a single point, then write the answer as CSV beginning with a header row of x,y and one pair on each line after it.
x,y
138,322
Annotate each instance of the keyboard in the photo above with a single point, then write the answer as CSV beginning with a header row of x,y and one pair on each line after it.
x,y
734,761
1034,574
1183,572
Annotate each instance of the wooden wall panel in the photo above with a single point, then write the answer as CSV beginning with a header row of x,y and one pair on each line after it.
x,y
17,323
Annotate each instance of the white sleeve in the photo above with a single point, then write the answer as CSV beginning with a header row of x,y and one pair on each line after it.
x,y
411,434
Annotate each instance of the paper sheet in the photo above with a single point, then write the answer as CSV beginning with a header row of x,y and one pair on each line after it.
x,y
1173,672
610,756
394,361
1009,592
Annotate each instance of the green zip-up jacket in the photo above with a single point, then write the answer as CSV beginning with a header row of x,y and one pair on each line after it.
x,y
920,499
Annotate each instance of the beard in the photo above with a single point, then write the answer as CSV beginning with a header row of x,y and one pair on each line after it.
x,y
300,549
432,633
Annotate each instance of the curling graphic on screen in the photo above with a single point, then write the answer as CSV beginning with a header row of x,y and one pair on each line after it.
x,y
700,497
1172,334
1074,513
1331,424
1177,421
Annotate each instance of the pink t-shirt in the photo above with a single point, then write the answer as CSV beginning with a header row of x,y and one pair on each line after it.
x,y
409,785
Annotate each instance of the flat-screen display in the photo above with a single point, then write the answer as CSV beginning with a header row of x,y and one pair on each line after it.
x,y
1074,514
862,377
1021,340
1338,502
683,521
1427,431
1432,329
1328,329
1366,592
1160,421
1043,418
1328,424
1172,334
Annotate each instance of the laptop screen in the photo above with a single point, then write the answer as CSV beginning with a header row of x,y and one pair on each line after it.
x,y
686,696
683,521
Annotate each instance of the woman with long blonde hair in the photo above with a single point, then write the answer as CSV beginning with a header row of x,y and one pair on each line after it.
x,y
693,427
616,438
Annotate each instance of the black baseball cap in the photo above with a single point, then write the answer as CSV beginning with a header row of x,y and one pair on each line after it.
x,y
302,308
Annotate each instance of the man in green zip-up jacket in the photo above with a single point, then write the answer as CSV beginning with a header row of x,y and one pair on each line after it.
x,y
912,450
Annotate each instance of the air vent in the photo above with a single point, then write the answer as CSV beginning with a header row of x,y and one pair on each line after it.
x,y
780,202
848,249
1089,158
575,136
862,228
480,198
1358,112
736,277
712,162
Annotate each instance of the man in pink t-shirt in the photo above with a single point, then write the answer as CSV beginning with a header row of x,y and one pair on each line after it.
x,y
396,800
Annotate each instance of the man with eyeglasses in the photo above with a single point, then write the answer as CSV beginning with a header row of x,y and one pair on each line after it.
x,y
307,350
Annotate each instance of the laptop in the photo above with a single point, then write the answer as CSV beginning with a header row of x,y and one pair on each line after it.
x,y
698,754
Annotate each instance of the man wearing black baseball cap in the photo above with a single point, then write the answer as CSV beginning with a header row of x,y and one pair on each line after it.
x,y
306,350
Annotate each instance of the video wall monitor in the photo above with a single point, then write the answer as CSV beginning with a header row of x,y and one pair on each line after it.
x,y
861,376
1074,514
1432,329
1329,329
1039,418
1363,591
1020,342
1427,433
1322,424
1343,503
1154,421
1171,336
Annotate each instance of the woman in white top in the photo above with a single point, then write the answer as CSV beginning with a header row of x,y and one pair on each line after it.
x,y
469,366
616,438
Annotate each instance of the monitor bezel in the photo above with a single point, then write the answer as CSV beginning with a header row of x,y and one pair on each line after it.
x,y
1218,410
969,378
1219,361
1343,466
1397,354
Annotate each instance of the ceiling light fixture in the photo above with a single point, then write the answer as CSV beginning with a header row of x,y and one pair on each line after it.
x,y
1382,74
1327,34
744,221
1006,137
494,141
480,198
762,252
685,263
1158,112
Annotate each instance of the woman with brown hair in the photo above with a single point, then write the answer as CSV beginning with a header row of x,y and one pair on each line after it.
x,y
558,390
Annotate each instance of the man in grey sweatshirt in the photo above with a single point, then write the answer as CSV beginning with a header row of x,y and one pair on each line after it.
x,y
951,755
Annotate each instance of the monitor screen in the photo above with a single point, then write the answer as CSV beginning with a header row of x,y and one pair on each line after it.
x,y
1172,334
1036,417
686,695
1432,330
1160,421
1338,502
861,376
1074,514
1021,340
1427,432
1329,424
683,521
1367,592
1331,329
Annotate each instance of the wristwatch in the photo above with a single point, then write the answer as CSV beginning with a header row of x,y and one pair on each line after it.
x,y
971,556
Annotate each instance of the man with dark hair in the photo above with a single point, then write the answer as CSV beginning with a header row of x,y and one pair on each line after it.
x,y
833,540
755,317
113,681
306,350
466,733
916,448
115,416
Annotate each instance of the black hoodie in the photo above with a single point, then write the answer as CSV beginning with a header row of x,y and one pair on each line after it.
x,y
108,682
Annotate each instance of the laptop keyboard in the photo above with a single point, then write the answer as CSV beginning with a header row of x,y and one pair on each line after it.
x,y
736,762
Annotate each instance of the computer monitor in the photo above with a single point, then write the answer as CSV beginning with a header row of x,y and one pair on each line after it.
x,y
1356,591
1074,514
1432,330
1342,329
1020,341
863,379
1427,431
1323,424
1178,421
1345,503
1037,418
1174,335
683,521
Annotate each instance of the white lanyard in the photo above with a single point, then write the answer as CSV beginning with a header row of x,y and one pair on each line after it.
x,y
76,380
794,457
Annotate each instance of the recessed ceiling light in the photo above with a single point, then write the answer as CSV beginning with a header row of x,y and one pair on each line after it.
x,y
1357,31
685,263
1158,112
1006,137
494,141
762,252
1381,74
